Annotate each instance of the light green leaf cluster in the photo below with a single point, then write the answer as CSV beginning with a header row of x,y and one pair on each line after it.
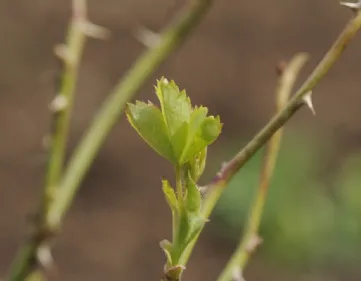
x,y
176,131
181,134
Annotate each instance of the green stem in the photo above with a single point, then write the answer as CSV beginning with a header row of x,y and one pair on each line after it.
x,y
61,108
226,174
179,185
179,191
250,239
107,117
62,104
113,107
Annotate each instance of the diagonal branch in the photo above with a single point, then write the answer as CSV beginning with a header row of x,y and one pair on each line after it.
x,y
250,240
225,175
113,107
61,187
35,251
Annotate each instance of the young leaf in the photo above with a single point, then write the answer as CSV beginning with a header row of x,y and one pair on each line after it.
x,y
178,141
183,229
197,164
167,249
203,131
196,119
211,129
196,222
170,196
190,224
193,197
148,121
176,106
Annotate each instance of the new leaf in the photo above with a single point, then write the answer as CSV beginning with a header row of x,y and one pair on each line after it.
x,y
177,132
148,121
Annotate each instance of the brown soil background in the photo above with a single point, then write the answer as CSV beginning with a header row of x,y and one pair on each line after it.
x,y
113,230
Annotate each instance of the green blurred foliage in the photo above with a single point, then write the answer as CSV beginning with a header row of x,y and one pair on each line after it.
x,y
306,223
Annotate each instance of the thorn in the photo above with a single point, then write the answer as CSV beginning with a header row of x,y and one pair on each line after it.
x,y
44,256
224,166
63,53
93,30
253,243
237,275
353,6
147,37
308,101
59,103
203,190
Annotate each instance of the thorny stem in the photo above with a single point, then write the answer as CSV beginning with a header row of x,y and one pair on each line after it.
x,y
235,266
61,107
107,117
113,107
225,175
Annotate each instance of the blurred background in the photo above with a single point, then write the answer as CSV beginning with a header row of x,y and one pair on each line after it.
x,y
312,225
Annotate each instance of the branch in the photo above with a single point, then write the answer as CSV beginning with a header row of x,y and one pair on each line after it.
x,y
35,250
61,106
59,192
216,187
113,107
235,266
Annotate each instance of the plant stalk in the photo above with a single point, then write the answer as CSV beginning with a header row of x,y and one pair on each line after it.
x,y
235,267
107,116
114,105
225,175
61,107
